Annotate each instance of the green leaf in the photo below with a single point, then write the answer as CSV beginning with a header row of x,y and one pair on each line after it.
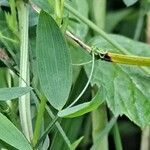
x,y
12,93
53,61
76,143
11,135
83,108
126,87
45,5
79,28
129,2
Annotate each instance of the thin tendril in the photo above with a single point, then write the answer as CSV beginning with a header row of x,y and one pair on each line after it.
x,y
84,63
87,84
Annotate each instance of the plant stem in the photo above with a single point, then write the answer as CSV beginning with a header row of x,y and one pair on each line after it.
x,y
101,32
99,116
99,121
46,131
95,28
37,96
39,119
61,131
24,102
117,138
113,57
128,59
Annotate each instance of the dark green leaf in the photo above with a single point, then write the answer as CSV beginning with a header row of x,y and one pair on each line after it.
x,y
12,93
53,61
11,135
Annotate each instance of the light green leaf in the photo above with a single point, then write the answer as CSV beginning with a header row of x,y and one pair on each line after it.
x,y
53,61
83,108
12,93
129,2
76,143
126,87
11,135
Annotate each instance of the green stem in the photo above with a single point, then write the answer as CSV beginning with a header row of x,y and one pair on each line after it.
x,y
139,25
117,138
24,102
129,59
46,131
99,116
39,119
99,122
87,84
99,12
95,28
104,132
37,94
61,131
101,32
145,138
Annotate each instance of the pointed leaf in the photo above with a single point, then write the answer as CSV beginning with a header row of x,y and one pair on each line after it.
x,y
129,2
76,143
12,93
83,108
53,61
11,135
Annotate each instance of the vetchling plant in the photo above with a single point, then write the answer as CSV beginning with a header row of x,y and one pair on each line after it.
x,y
65,80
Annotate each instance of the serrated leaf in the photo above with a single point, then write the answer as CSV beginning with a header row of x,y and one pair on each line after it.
x,y
83,108
12,93
53,61
129,2
127,87
7,133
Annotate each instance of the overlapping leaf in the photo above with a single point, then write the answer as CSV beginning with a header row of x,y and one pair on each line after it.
x,y
127,87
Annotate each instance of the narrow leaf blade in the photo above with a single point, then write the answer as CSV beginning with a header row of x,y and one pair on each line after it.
x,y
12,93
11,135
